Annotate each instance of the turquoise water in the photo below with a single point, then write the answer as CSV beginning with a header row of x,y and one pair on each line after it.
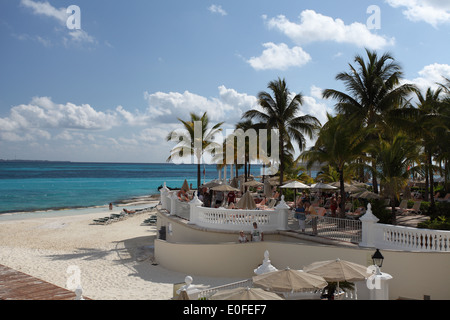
x,y
36,186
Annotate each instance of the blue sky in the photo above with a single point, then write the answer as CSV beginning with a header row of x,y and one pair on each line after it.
x,y
112,90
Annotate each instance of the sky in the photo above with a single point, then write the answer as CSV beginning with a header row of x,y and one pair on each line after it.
x,y
107,80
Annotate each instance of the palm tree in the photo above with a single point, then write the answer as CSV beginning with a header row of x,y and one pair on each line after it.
x,y
192,143
282,112
432,124
340,143
373,90
395,158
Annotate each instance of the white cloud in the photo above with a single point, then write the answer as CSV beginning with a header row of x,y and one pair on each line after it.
x,y
43,114
217,9
315,27
433,12
279,57
46,9
229,106
430,76
76,37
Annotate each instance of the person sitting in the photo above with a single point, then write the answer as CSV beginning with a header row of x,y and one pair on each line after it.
x,y
256,234
182,195
242,237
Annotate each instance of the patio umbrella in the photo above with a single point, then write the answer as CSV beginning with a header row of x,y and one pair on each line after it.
x,y
242,293
225,188
338,270
289,280
295,185
246,202
366,194
212,184
322,186
185,186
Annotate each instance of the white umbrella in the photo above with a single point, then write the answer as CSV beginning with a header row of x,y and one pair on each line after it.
x,y
295,185
338,270
246,202
289,280
322,186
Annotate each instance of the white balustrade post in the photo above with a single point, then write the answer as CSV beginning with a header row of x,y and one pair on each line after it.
x,y
193,213
283,212
368,228
378,285
164,193
173,203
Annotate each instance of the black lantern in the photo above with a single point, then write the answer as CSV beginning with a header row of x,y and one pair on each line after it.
x,y
377,258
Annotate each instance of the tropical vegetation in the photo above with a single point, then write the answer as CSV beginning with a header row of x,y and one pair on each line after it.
x,y
382,129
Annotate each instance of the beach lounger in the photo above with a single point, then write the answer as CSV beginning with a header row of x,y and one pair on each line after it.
x,y
415,208
402,207
105,220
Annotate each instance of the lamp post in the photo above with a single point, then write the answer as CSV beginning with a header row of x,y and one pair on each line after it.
x,y
377,258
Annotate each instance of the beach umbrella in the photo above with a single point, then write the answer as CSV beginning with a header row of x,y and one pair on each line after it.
x,y
253,183
246,202
322,186
289,280
224,188
366,194
185,186
242,293
338,270
212,184
295,185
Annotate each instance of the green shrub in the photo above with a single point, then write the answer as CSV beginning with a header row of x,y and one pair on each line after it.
x,y
439,223
379,210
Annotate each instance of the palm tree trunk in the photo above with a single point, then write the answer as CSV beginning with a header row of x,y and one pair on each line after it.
x,y
374,177
432,204
342,189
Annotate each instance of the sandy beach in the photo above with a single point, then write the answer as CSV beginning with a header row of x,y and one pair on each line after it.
x,y
115,260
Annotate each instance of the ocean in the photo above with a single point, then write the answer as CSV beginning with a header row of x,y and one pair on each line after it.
x,y
27,186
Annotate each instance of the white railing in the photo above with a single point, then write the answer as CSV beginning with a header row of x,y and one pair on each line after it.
x,y
398,237
207,293
235,219
337,229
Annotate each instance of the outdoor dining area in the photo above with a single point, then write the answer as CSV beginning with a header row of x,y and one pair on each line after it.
x,y
333,279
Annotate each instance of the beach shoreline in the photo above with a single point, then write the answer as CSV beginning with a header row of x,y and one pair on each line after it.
x,y
115,261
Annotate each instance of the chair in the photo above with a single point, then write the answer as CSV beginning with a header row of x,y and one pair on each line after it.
x,y
272,203
402,207
415,208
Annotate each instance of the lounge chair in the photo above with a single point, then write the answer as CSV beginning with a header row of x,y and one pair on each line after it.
x,y
402,207
105,220
415,208
446,198
150,221
272,203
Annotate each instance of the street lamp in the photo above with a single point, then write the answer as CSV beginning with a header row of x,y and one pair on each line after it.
x,y
377,258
